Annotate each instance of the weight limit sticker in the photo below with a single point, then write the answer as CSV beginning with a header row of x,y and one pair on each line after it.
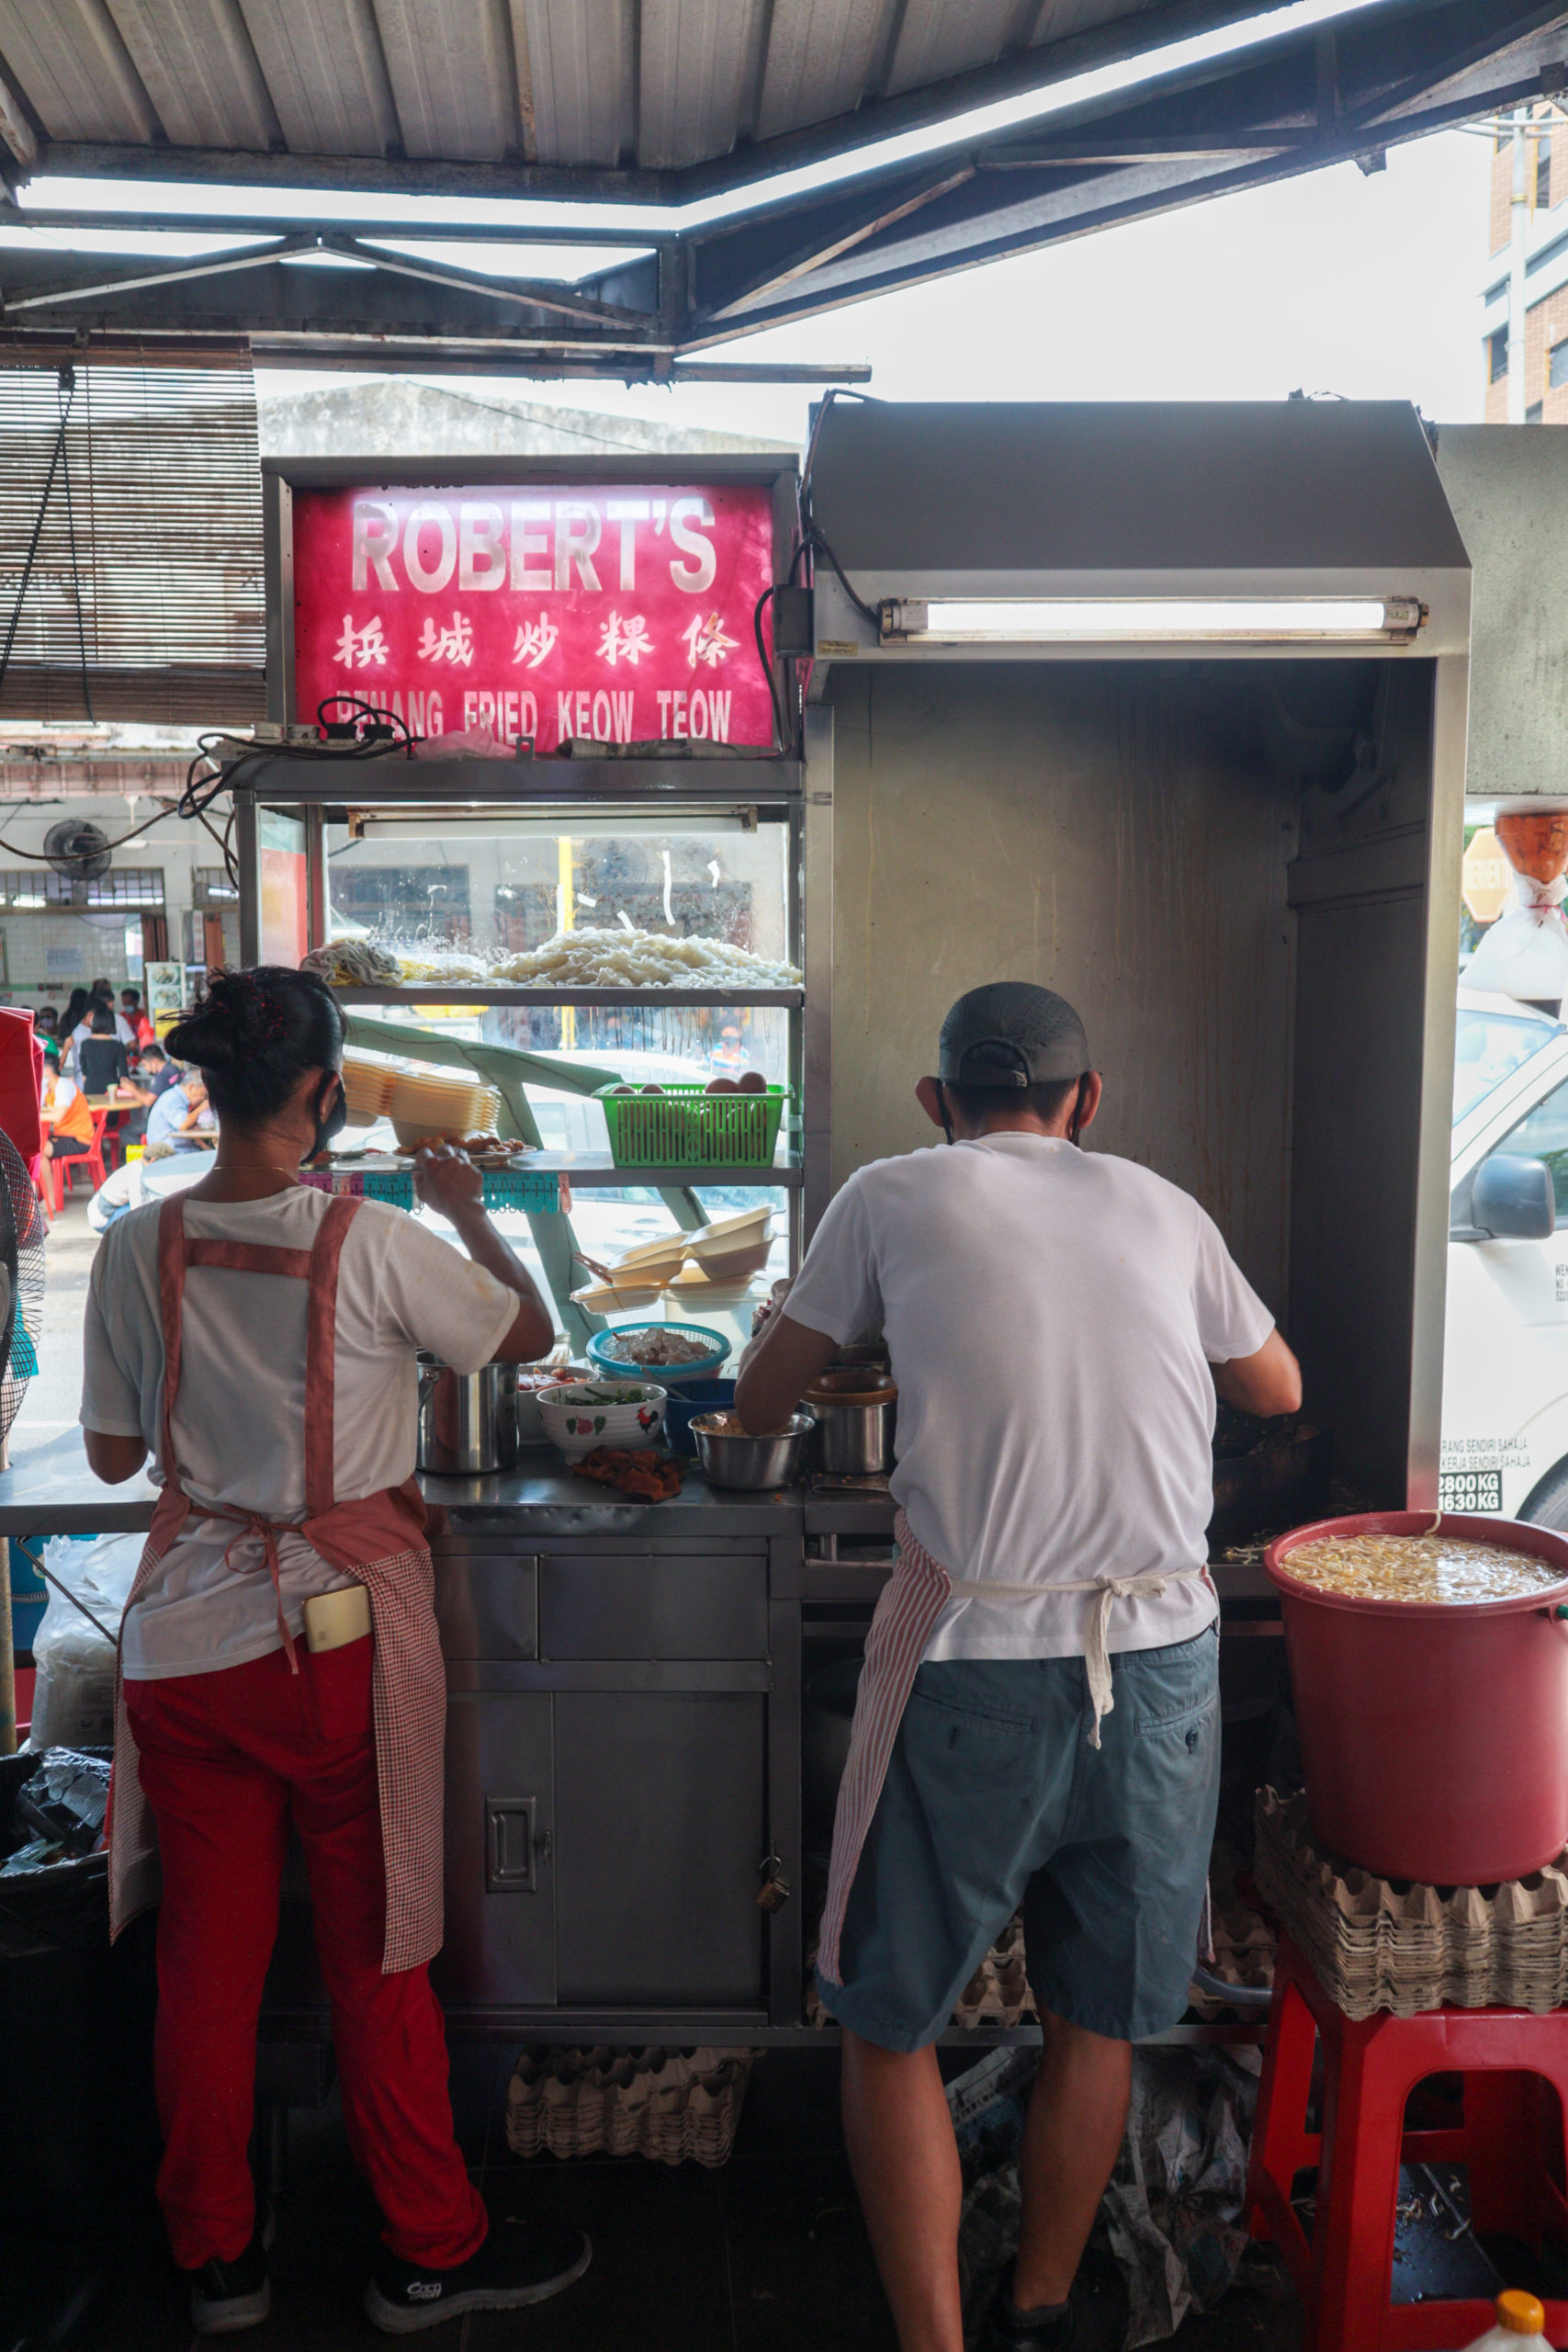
x,y
1470,1490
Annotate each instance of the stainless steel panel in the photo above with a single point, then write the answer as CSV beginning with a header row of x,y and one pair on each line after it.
x,y
610,1674
1357,1114
1445,844
609,1606
817,959
659,1829
499,1941
487,1604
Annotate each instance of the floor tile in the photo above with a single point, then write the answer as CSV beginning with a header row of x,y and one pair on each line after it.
x,y
801,2269
660,2277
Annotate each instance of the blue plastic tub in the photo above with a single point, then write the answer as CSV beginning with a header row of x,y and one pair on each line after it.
x,y
685,1404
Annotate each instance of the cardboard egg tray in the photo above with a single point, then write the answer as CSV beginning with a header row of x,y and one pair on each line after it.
x,y
665,2105
1376,1944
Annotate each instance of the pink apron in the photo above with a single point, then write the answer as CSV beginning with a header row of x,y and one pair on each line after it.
x,y
379,1539
902,1624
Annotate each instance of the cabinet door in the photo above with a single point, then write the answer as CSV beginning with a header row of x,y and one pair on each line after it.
x,y
659,1829
500,1942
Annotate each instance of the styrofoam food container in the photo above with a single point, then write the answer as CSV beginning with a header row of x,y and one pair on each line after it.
x,y
730,1235
582,1414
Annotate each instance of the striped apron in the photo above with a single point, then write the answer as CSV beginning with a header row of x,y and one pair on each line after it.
x,y
902,1624
380,1540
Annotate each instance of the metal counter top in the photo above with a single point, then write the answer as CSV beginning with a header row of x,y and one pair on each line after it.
x,y
542,1498
48,1490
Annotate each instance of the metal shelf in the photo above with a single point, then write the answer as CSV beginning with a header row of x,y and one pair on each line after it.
x,y
451,992
597,1169
522,787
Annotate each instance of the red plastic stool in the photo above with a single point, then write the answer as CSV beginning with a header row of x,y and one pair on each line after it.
x,y
1512,2138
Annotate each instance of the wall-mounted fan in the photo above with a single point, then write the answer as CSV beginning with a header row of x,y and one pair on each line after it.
x,y
21,1282
81,851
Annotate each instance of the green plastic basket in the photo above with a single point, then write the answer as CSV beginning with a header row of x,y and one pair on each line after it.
x,y
688,1127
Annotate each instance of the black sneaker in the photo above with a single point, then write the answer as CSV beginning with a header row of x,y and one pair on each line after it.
x,y
519,2263
228,2296
1007,2329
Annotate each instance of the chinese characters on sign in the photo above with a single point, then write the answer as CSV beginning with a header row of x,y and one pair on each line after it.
x,y
618,614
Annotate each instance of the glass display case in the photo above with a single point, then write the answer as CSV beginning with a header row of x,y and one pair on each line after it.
x,y
617,947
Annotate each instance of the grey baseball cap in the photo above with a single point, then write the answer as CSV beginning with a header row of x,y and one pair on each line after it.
x,y
1011,1034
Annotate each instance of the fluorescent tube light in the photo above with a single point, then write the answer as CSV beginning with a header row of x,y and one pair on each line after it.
x,y
1015,620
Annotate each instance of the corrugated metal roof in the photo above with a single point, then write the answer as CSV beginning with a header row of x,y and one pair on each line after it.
x,y
655,85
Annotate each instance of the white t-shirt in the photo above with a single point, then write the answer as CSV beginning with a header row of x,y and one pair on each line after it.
x,y
239,1420
1050,1316
122,1030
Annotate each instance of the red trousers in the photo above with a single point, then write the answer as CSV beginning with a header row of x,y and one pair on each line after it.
x,y
227,1759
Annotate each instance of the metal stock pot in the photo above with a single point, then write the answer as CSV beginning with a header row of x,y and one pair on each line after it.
x,y
855,1410
468,1420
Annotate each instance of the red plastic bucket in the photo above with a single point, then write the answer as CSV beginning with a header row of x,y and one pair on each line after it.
x,y
1434,1737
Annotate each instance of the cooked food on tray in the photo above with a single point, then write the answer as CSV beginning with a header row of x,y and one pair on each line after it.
x,y
624,957
654,1345
731,1425
1418,1567
647,1477
354,964
615,957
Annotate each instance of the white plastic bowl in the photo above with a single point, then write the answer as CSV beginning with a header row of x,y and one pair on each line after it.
x,y
583,1414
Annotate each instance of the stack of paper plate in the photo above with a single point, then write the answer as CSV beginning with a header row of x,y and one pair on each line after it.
x,y
367,1086
426,1103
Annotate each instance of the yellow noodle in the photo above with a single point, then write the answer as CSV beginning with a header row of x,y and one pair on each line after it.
x,y
1418,1567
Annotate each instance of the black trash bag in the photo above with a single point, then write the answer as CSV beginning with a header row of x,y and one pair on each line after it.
x,y
65,1905
79,2148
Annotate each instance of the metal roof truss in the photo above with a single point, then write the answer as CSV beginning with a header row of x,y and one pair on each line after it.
x,y
1349,90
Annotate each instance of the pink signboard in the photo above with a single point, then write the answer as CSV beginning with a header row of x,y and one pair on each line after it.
x,y
616,613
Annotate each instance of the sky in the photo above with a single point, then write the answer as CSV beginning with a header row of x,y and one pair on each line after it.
x,y
1334,281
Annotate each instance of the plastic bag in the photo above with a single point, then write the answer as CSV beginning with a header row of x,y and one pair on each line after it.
x,y
1525,954
73,1697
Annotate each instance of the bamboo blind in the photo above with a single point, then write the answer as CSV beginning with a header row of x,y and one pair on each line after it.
x,y
145,600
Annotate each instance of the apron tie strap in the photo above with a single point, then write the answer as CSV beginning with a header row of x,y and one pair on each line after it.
x,y
269,1531
1107,1592
1096,1655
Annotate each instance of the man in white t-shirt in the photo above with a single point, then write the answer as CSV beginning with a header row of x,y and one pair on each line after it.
x,y
1037,1725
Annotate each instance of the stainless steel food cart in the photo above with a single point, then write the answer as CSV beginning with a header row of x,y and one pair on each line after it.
x,y
1238,851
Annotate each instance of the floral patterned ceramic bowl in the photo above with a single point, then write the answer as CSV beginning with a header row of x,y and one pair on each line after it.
x,y
582,1414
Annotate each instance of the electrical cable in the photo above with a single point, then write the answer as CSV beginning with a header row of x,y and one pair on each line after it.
x,y
41,857
68,383
782,730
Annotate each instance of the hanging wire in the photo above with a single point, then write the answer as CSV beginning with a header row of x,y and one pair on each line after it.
x,y
67,384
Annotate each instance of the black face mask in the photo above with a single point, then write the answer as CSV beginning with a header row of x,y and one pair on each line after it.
x,y
329,1123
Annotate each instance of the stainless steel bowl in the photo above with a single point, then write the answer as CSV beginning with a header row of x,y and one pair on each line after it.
x,y
753,1463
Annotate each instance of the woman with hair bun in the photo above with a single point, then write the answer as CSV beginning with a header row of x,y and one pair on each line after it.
x,y
279,1656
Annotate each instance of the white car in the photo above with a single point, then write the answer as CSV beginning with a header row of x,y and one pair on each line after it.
x,y
1506,1344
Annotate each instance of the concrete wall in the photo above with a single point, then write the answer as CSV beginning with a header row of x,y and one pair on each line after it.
x,y
1109,832
391,415
1509,489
